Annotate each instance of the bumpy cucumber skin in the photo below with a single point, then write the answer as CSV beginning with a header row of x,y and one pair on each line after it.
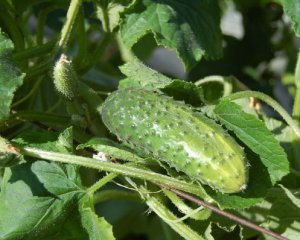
x,y
171,132
65,78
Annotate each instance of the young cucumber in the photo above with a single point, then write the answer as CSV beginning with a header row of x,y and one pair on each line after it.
x,y
171,132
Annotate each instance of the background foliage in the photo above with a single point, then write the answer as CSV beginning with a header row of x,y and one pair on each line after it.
x,y
64,176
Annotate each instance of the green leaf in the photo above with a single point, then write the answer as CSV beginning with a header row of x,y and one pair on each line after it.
x,y
72,228
28,210
109,12
186,91
139,75
189,27
284,215
51,141
97,227
62,142
292,9
66,139
254,133
10,76
43,140
59,191
55,179
291,144
295,200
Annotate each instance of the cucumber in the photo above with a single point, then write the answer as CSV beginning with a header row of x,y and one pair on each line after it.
x,y
65,78
171,132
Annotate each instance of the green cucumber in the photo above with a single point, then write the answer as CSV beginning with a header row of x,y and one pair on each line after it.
x,y
171,132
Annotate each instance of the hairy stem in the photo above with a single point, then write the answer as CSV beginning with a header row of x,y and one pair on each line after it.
x,y
101,183
271,102
122,169
67,28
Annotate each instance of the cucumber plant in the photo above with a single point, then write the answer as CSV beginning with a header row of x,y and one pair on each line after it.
x,y
91,137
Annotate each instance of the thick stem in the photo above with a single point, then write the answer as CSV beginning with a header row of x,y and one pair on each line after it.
x,y
67,28
271,102
101,183
82,39
122,169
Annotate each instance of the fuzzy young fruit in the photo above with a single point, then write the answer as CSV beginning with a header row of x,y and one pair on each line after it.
x,y
171,132
65,78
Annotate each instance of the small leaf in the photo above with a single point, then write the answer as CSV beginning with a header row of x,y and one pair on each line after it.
x,y
43,140
295,200
292,9
66,139
109,12
186,91
189,27
139,75
97,227
254,133
101,145
10,76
